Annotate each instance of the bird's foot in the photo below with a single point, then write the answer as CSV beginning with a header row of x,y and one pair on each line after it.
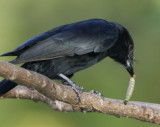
x,y
76,88
96,93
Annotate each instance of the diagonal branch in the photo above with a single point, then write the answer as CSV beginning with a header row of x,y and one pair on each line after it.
x,y
49,92
23,92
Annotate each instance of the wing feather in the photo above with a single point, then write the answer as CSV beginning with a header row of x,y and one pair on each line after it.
x,y
68,40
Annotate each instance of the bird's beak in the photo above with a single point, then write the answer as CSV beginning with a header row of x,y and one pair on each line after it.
x,y
129,67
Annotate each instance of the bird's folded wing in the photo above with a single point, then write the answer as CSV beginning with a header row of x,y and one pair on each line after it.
x,y
64,43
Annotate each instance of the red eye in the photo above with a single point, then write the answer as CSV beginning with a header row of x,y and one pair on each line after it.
x,y
131,47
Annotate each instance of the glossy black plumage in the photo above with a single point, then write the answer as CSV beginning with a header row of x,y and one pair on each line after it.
x,y
74,47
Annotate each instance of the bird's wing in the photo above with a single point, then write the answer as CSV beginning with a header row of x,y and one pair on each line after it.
x,y
68,40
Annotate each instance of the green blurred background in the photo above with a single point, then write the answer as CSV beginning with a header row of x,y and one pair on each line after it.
x,y
23,19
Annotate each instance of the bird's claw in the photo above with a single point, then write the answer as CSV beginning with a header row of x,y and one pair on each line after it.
x,y
76,88
96,92
78,91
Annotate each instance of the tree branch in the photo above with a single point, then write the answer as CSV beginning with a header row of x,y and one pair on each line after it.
x,y
63,98
23,92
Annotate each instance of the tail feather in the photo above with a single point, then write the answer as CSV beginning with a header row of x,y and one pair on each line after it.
x,y
5,86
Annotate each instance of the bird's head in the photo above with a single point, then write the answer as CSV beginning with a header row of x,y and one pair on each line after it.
x,y
123,50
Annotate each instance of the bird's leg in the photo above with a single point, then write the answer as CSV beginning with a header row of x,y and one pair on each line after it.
x,y
96,92
68,82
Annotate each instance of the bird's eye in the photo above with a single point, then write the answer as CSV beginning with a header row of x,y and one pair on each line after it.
x,y
131,47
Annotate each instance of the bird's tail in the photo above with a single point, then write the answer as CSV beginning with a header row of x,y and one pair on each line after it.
x,y
5,86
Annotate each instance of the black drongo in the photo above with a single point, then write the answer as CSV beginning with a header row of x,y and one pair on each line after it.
x,y
73,47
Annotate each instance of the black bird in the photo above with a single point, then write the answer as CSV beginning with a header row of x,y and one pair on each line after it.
x,y
73,47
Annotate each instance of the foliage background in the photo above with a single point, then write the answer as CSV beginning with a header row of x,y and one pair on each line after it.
x,y
23,19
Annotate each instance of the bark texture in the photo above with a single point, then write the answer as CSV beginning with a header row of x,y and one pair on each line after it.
x,y
38,87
